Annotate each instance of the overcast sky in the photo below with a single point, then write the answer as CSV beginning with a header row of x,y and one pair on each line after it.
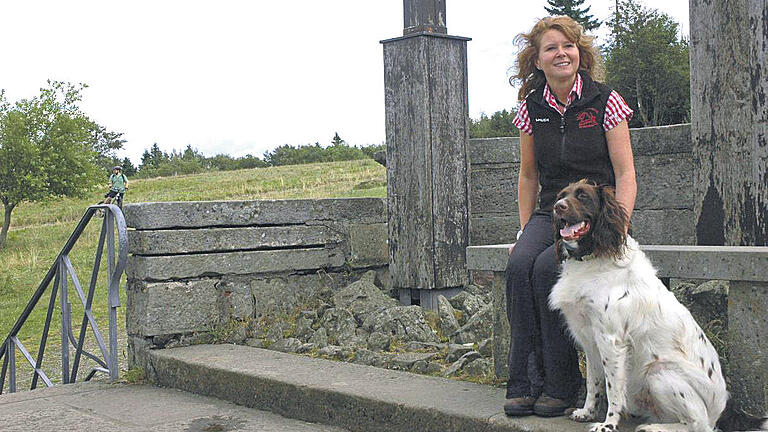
x,y
241,77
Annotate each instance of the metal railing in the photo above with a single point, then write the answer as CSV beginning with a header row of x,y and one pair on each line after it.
x,y
58,278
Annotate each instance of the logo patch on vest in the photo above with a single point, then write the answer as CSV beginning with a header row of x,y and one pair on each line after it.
x,y
542,120
587,118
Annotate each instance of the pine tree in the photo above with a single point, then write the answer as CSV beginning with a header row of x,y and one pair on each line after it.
x,y
573,9
337,141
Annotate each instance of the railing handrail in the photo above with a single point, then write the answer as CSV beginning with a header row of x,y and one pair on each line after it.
x,y
114,276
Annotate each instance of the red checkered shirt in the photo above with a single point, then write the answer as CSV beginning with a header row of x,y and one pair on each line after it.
x,y
616,109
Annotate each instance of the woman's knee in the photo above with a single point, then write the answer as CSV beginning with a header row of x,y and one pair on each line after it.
x,y
545,272
519,268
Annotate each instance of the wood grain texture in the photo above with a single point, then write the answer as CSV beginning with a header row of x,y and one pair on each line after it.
x,y
427,188
729,120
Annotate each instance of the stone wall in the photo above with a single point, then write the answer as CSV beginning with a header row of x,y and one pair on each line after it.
x,y
196,267
663,210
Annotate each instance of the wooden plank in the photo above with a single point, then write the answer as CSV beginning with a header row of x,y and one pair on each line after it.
x,y
409,186
449,134
729,110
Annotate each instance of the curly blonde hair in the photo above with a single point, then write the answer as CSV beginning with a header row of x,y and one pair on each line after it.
x,y
529,77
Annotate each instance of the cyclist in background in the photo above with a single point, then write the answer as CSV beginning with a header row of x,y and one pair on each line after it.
x,y
118,183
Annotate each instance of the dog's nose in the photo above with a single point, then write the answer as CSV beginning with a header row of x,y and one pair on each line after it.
x,y
561,206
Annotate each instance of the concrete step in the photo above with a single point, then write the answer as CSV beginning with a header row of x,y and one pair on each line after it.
x,y
99,407
355,397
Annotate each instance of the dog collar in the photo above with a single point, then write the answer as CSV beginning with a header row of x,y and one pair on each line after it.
x,y
572,253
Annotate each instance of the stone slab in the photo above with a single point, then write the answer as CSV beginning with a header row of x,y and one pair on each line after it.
x,y
664,181
645,141
493,229
96,406
200,214
734,263
747,349
368,245
502,150
282,294
501,331
494,190
357,397
662,139
173,242
171,307
667,226
158,268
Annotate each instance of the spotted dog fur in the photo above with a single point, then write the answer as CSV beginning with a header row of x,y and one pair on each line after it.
x,y
644,350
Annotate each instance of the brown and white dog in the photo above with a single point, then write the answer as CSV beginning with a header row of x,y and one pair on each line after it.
x,y
644,350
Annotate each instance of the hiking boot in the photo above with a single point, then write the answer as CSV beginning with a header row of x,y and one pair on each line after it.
x,y
546,406
519,406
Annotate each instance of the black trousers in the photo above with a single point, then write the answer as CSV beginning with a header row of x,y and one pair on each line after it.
x,y
542,357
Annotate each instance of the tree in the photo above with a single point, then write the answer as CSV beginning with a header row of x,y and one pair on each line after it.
x,y
647,62
47,148
499,124
573,9
128,168
337,140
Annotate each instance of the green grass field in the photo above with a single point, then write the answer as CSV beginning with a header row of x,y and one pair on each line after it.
x,y
40,230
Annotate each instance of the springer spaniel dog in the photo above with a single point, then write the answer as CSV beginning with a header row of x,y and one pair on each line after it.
x,y
644,350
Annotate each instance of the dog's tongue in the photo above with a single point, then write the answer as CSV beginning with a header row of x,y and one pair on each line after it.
x,y
572,230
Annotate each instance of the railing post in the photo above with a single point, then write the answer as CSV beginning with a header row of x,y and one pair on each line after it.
x,y
114,297
11,353
65,320
427,128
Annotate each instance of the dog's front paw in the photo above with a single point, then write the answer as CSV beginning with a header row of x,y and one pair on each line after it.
x,y
604,427
582,415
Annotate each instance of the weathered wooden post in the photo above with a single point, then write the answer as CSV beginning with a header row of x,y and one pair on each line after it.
x,y
729,128
425,78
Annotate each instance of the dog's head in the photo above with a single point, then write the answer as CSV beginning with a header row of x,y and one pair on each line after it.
x,y
589,221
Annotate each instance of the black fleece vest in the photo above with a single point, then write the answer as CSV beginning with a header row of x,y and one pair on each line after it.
x,y
571,147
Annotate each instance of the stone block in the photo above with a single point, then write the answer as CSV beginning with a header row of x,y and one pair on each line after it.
x,y
662,139
233,263
199,214
664,227
368,245
664,181
279,294
489,229
494,150
747,349
173,242
493,189
235,298
171,307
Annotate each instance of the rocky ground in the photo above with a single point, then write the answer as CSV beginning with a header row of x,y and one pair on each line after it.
x,y
365,324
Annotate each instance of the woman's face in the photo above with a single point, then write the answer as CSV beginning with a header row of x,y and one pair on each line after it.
x,y
558,57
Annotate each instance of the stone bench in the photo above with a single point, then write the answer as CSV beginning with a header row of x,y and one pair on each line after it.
x,y
745,267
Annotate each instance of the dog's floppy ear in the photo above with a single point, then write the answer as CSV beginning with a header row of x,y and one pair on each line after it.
x,y
610,227
559,252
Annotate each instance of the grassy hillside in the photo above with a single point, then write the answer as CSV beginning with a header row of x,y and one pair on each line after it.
x,y
39,231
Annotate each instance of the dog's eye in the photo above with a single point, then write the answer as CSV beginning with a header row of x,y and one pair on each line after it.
x,y
582,195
